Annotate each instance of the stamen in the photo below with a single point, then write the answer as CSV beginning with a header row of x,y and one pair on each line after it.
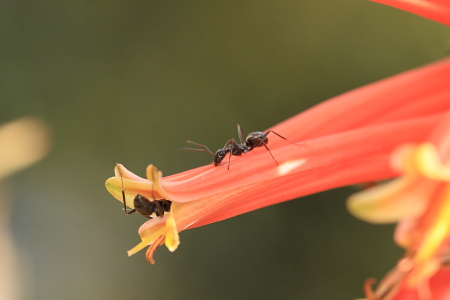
x,y
370,295
152,248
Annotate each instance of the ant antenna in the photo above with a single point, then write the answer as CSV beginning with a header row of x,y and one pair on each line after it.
x,y
204,148
241,134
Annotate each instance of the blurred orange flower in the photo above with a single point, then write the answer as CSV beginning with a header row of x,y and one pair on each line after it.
x,y
419,200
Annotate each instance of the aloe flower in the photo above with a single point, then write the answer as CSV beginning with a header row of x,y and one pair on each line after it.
x,y
345,140
419,200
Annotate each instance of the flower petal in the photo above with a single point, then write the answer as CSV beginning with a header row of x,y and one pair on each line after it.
x,y
130,184
434,231
407,196
172,238
149,232
115,186
390,202
422,159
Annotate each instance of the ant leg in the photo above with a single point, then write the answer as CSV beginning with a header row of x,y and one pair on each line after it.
x,y
124,199
267,133
227,148
232,142
130,212
241,134
234,150
264,144
279,135
204,148
228,143
158,209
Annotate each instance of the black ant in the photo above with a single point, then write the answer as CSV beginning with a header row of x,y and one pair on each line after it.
x,y
144,206
252,141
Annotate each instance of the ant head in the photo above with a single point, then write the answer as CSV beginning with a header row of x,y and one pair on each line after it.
x,y
256,139
219,156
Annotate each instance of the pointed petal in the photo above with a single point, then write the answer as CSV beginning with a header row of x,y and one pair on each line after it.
x,y
149,232
172,238
115,186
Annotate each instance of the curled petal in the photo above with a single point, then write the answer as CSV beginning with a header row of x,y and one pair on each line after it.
x,y
121,172
131,185
149,232
392,201
405,197
422,159
115,186
154,176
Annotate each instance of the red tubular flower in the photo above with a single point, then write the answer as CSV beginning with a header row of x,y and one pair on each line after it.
x,y
419,201
345,140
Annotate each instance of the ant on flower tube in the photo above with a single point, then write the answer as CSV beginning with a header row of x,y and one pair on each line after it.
x,y
252,141
144,206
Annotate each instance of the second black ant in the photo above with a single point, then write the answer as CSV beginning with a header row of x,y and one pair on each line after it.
x,y
144,206
252,141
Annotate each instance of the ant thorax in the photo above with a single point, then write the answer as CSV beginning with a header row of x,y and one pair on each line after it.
x,y
238,149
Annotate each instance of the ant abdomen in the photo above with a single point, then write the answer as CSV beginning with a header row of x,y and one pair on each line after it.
x,y
256,139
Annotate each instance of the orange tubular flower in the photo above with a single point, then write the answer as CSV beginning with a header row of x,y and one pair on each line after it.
x,y
345,140
419,201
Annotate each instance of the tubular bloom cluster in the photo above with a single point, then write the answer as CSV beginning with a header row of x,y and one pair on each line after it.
x,y
420,201
346,140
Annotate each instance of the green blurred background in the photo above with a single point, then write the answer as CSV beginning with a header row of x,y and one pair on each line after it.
x,y
131,81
